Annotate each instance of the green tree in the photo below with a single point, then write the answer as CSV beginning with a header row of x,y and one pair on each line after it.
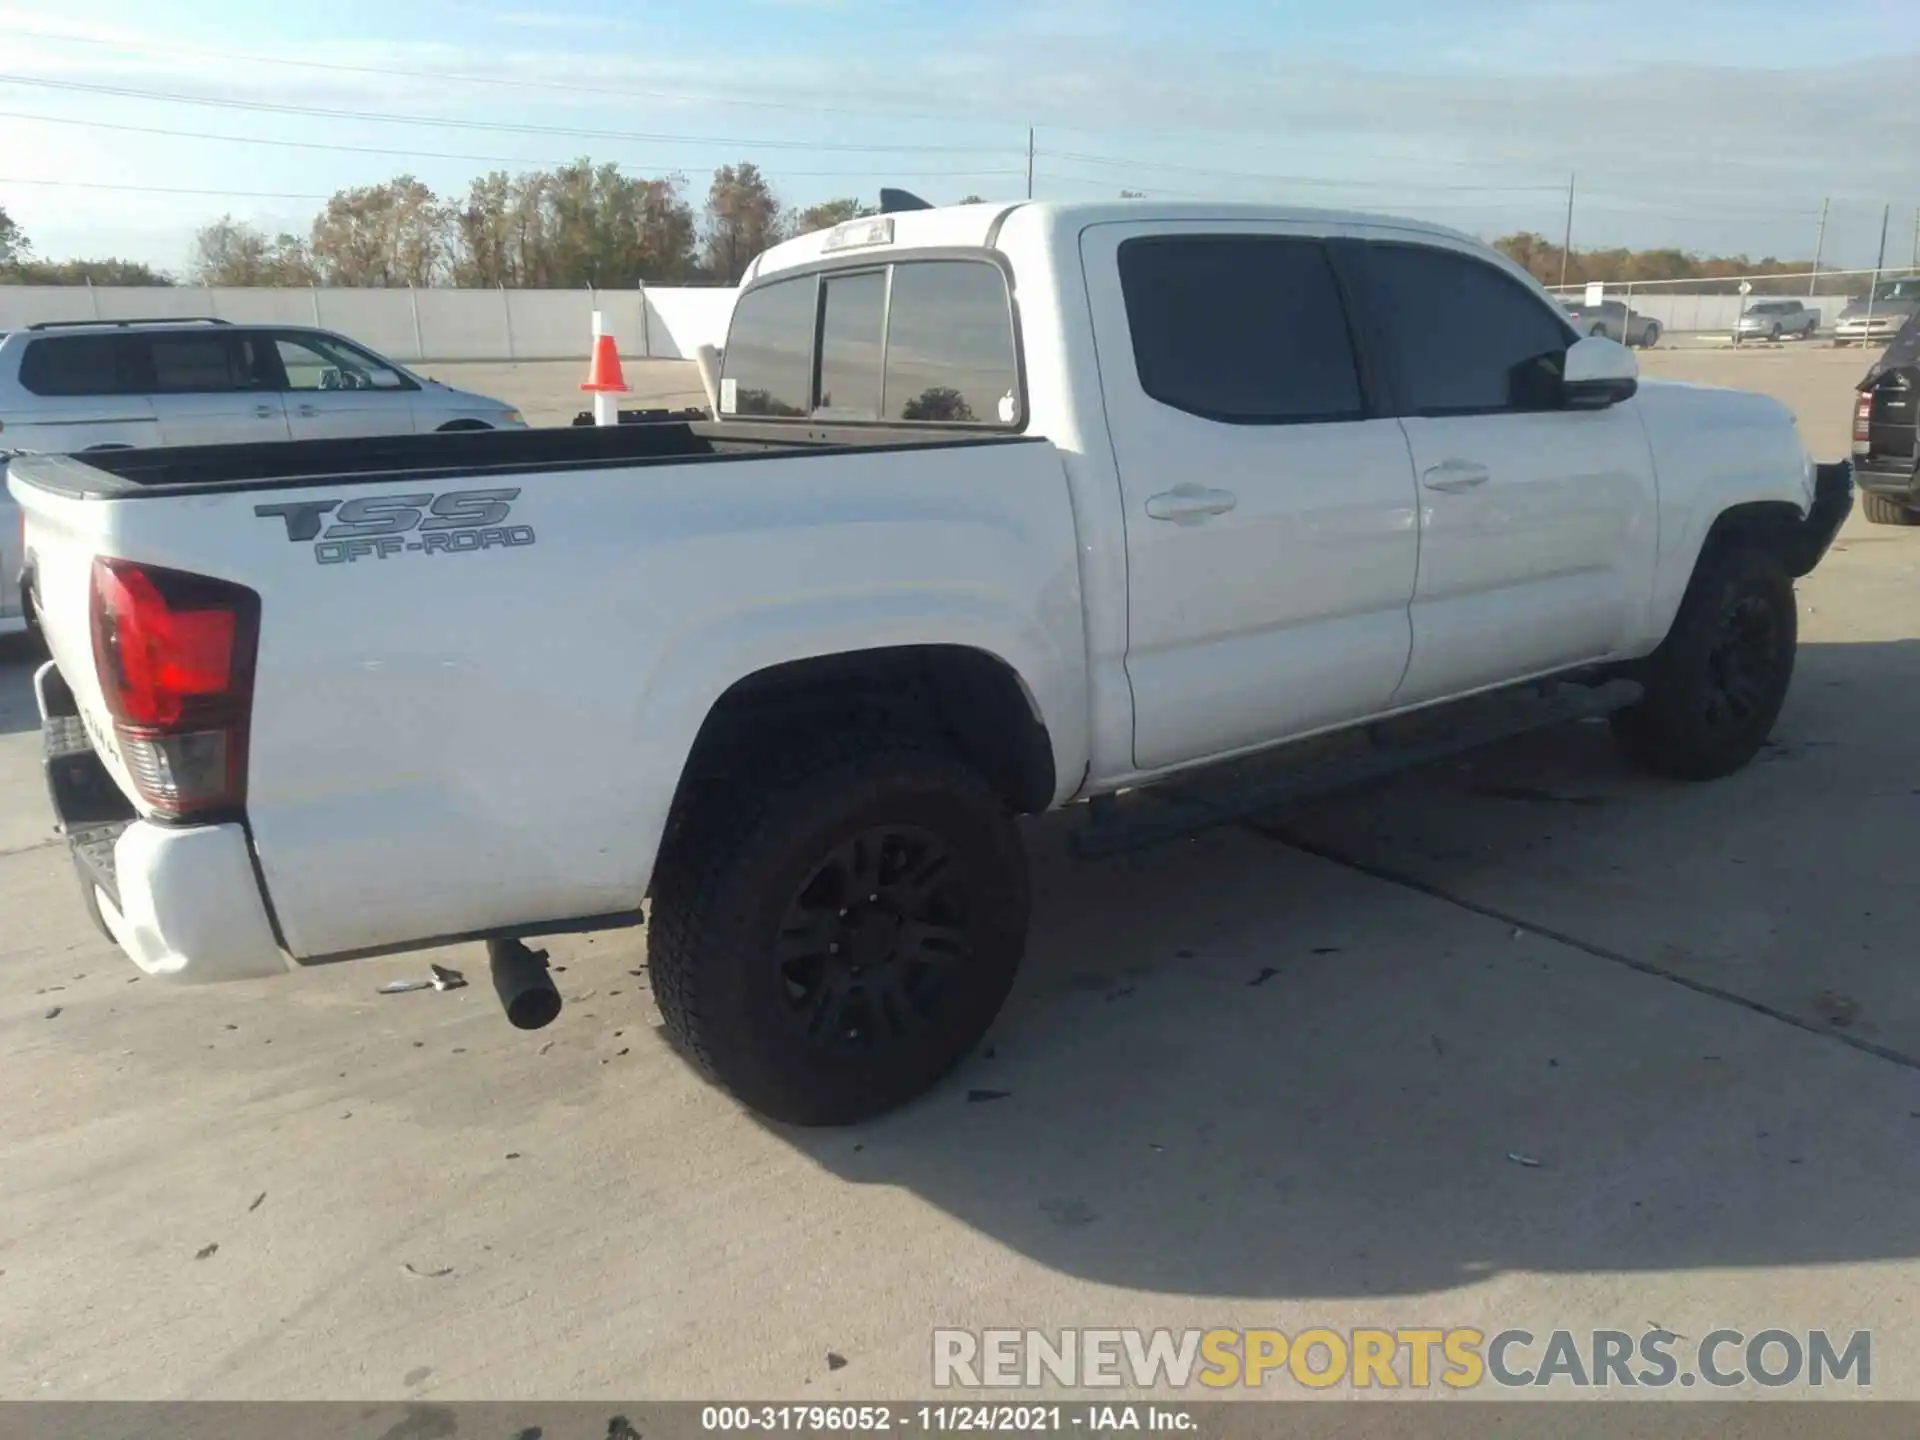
x,y
830,213
13,242
84,272
578,225
231,252
743,218
938,402
377,235
1541,258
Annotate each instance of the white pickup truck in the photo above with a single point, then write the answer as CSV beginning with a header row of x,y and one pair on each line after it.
x,y
1006,508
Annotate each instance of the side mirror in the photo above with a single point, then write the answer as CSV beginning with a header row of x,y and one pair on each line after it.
x,y
1598,372
383,379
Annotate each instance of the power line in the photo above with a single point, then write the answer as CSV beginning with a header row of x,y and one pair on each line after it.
x,y
455,77
1129,164
446,123
1155,191
217,194
446,155
170,190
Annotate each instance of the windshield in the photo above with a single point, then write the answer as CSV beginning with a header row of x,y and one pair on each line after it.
x,y
1906,287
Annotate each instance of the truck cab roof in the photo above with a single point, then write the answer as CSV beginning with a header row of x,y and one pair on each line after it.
x,y
977,226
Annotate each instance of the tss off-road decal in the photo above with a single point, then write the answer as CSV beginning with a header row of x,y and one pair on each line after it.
x,y
450,523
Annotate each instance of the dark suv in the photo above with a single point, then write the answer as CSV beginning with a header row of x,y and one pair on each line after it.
x,y
1886,455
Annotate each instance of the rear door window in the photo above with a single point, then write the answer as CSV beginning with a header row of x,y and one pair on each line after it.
x,y
190,363
1243,329
75,365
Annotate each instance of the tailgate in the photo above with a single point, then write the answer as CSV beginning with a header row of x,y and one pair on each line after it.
x,y
59,533
12,538
1890,424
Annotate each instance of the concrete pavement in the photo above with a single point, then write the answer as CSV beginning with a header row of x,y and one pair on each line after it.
x,y
1239,1084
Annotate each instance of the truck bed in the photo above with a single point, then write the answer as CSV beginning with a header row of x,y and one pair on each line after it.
x,y
284,464
480,726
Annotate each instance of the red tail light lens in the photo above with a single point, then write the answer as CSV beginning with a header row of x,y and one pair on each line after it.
x,y
175,656
1863,421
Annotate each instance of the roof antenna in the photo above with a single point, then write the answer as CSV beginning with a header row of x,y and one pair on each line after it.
x,y
892,202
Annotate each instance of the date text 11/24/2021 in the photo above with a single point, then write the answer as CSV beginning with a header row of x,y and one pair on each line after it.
x,y
945,1419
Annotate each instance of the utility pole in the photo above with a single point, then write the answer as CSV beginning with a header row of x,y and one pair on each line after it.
x,y
1029,162
1566,249
1880,263
1914,264
1819,246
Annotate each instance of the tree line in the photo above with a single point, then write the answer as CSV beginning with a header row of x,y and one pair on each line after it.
x,y
1550,264
569,227
588,224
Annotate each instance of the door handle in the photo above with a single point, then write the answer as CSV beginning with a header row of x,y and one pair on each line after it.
x,y
265,412
308,412
1190,504
1456,475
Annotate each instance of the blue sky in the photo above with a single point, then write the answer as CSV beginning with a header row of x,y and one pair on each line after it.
x,y
1705,124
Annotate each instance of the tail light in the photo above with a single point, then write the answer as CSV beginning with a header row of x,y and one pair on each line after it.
x,y
1862,422
175,655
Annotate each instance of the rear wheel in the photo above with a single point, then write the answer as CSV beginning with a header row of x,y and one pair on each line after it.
x,y
1652,336
1885,510
1599,330
1774,334
837,922
1715,686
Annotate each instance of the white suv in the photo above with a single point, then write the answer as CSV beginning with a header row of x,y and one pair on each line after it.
x,y
91,385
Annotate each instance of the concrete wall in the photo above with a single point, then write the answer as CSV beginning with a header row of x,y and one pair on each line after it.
x,y
415,325
665,322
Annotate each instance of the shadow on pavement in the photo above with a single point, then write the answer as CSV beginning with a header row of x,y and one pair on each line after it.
x,y
1235,1068
19,658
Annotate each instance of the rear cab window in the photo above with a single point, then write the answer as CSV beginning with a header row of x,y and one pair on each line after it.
x,y
904,342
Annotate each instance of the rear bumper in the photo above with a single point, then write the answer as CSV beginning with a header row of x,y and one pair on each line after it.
x,y
1903,484
181,901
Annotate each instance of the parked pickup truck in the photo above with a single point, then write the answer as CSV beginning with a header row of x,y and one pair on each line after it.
x,y
1005,508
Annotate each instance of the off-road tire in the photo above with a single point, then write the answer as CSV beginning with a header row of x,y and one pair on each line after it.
x,y
1885,510
745,850
1715,686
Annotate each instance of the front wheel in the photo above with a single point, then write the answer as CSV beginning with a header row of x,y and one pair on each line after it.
x,y
1715,686
837,922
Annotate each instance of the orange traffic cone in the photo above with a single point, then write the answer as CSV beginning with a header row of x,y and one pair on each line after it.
x,y
603,373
